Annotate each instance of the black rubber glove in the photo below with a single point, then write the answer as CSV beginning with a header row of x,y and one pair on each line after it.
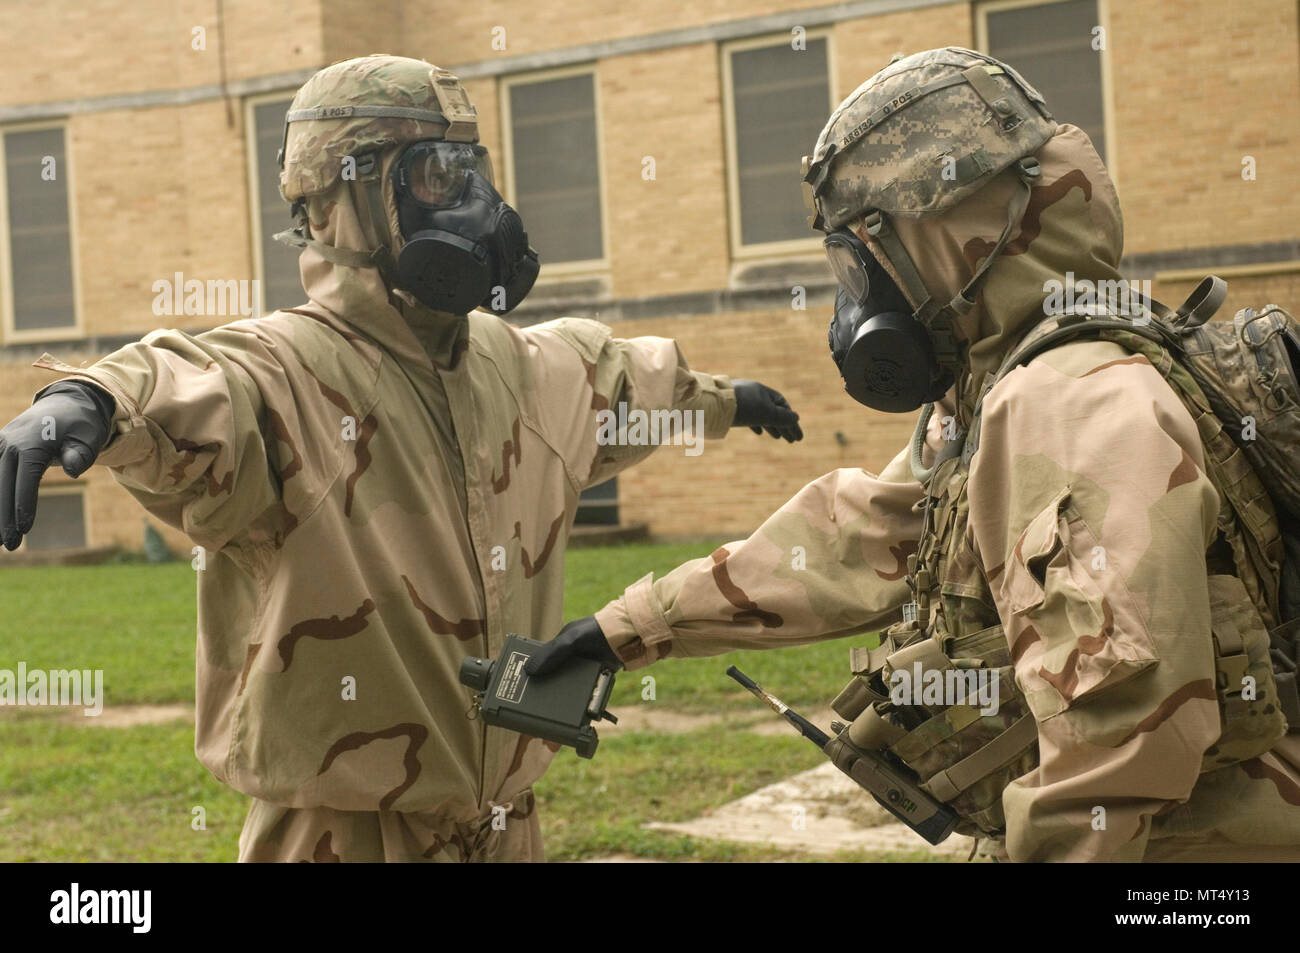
x,y
69,422
760,408
582,638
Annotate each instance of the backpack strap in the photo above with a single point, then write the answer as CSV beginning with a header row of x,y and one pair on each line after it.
x,y
1051,334
1162,326
1201,305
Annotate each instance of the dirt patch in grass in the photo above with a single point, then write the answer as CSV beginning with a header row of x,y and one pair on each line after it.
x,y
652,719
126,716
114,716
820,811
620,859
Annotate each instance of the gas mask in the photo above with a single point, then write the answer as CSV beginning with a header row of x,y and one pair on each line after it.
x,y
883,353
464,247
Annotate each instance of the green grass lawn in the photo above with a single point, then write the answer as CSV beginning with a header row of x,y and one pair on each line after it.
x,y
72,792
134,621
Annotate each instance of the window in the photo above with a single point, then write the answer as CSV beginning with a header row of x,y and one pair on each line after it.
x,y
598,505
60,521
1051,46
779,98
277,263
554,154
40,292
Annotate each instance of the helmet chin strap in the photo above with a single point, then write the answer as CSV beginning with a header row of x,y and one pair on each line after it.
x,y
936,319
374,225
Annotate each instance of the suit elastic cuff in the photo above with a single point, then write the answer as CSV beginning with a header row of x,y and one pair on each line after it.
x,y
129,438
717,399
635,627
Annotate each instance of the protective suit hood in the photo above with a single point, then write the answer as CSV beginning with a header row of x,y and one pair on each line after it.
x,y
359,295
370,106
1072,229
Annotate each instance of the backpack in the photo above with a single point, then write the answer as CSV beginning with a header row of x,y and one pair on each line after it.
x,y
1240,379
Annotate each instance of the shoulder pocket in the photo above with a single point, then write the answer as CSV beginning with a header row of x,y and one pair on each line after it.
x,y
1026,569
1073,626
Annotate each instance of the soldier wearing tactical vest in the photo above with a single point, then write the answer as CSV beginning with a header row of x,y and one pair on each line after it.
x,y
383,480
1067,528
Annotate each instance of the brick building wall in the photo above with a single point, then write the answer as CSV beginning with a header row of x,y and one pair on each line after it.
x,y
159,162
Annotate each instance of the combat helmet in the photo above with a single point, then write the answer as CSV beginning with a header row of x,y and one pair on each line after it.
x,y
916,139
363,105
351,110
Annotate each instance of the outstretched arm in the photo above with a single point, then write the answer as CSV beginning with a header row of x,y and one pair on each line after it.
x,y
642,376
185,436
829,563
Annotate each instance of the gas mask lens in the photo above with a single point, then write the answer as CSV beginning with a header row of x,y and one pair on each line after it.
x,y
433,173
848,258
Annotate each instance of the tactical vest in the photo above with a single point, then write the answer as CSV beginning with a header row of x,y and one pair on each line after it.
x,y
966,757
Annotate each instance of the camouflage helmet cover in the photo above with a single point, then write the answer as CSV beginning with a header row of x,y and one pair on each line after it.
x,y
922,134
365,104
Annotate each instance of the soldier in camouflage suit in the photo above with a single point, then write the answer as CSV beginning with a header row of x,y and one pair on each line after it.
x,y
1087,551
381,489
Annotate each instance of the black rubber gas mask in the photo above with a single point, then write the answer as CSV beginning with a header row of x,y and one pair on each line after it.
x,y
464,247
882,351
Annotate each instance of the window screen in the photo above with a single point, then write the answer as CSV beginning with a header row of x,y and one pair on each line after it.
x,y
1051,46
40,239
556,169
60,522
281,285
780,101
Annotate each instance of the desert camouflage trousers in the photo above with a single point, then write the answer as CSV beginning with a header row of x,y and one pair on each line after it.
x,y
275,834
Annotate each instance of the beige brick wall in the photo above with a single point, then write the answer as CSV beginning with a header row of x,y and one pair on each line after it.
x,y
667,235
1198,86
157,191
463,32
69,49
164,189
864,46
1253,291
358,29
735,483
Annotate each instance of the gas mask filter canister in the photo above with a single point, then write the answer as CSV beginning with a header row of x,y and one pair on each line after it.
x,y
883,353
